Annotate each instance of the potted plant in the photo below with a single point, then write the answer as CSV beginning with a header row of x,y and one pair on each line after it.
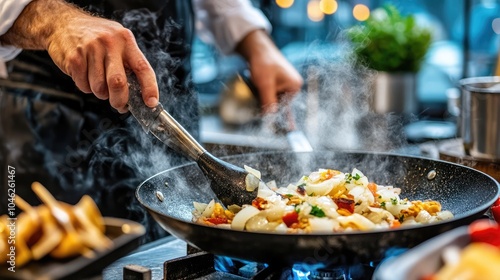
x,y
395,46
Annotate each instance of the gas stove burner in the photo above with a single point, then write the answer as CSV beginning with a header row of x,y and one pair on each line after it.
x,y
352,272
329,274
202,265
198,264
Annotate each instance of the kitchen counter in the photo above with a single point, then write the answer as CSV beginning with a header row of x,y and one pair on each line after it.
x,y
215,134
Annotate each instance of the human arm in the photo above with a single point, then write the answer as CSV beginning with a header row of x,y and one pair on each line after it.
x,y
94,51
272,74
236,26
9,11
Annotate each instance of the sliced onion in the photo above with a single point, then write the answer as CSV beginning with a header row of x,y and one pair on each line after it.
x,y
200,207
357,191
356,171
224,226
260,223
243,216
322,224
281,228
423,217
358,220
209,209
292,187
377,215
444,215
395,209
252,182
264,191
253,171
274,213
323,188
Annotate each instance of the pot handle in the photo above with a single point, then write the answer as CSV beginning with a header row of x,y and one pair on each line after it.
x,y
161,124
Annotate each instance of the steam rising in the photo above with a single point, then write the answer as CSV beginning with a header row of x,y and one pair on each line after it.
x,y
333,111
116,156
334,108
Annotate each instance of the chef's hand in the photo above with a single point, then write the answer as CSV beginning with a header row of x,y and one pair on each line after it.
x,y
94,51
271,73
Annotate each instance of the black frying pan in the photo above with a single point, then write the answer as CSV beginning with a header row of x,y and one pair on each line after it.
x,y
169,196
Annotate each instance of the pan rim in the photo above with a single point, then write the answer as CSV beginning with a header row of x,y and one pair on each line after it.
x,y
462,216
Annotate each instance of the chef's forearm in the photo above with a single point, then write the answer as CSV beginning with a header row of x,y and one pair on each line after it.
x,y
38,22
255,43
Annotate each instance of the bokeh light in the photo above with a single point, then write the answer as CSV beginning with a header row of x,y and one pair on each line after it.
x,y
314,11
284,3
496,25
328,6
361,12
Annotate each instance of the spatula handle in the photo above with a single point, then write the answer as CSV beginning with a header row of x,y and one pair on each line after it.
x,y
161,124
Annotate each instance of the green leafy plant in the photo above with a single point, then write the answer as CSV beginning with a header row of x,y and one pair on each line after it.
x,y
390,42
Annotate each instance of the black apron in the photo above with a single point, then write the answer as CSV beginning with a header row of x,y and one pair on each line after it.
x,y
74,143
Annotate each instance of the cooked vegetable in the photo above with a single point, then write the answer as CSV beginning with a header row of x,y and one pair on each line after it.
x,y
480,259
485,231
54,229
243,216
495,210
326,200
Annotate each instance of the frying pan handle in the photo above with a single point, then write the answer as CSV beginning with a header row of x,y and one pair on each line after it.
x,y
161,124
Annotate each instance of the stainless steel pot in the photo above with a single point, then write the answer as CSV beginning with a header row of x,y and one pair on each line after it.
x,y
395,92
480,117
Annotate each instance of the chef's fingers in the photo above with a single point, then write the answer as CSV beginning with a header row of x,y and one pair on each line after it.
x,y
267,93
137,62
117,83
76,67
97,74
289,82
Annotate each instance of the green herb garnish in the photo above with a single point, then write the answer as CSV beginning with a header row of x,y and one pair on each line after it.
x,y
348,178
318,212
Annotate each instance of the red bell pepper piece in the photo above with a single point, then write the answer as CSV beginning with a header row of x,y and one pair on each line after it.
x,y
345,203
495,210
485,231
217,220
290,218
259,203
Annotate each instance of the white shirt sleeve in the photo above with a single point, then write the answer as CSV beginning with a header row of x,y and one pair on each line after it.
x,y
9,11
226,22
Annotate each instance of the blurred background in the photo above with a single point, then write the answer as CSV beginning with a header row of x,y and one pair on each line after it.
x,y
465,38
